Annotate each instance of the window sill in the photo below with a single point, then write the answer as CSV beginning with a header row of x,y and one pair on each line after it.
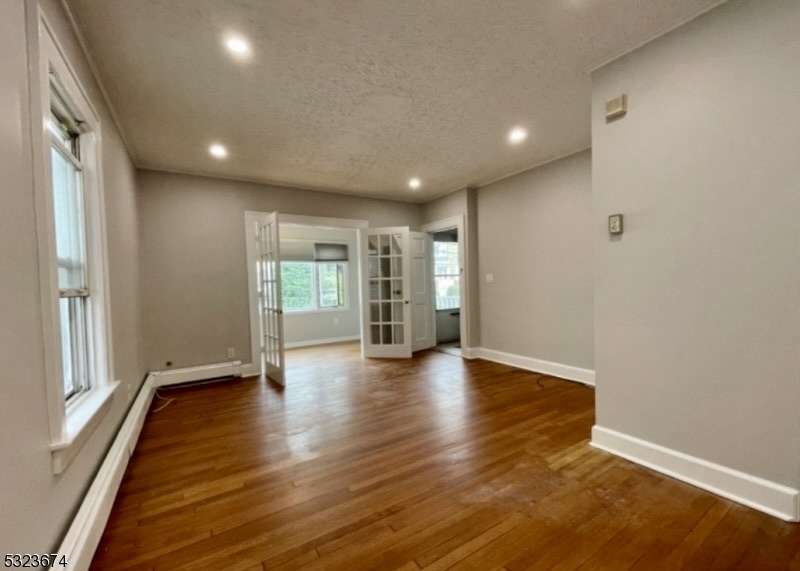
x,y
82,420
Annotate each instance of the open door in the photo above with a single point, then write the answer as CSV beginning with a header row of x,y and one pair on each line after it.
x,y
385,293
422,313
270,303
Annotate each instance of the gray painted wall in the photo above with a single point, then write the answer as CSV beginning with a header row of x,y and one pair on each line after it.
x,y
535,238
194,287
446,206
321,325
697,322
36,506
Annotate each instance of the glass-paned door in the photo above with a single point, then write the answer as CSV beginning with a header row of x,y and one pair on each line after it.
x,y
269,298
386,310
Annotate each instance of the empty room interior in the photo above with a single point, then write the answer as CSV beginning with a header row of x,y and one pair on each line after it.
x,y
400,285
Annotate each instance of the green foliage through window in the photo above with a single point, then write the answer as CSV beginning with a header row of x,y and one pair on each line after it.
x,y
307,286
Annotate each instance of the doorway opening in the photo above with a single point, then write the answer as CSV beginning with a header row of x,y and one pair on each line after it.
x,y
449,285
316,301
447,291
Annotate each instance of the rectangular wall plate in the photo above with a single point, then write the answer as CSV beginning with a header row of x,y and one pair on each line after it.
x,y
617,107
615,224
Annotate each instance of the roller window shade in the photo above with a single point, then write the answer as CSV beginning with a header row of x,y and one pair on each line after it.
x,y
330,252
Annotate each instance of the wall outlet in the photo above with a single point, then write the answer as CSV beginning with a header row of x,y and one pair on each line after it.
x,y
336,321
231,352
489,278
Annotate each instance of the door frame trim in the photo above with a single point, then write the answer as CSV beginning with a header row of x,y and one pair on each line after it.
x,y
456,222
251,217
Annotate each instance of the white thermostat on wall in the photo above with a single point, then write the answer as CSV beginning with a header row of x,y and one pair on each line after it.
x,y
615,224
617,107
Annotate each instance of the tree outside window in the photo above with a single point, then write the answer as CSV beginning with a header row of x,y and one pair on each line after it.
x,y
312,286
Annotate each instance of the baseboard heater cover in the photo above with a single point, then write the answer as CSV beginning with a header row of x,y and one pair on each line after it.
x,y
86,529
83,535
218,371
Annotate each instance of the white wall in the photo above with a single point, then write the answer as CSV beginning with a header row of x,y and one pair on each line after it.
x,y
194,278
36,506
535,238
697,319
306,327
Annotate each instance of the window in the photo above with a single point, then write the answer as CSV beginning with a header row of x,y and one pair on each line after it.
x,y
70,233
330,278
69,208
446,275
313,286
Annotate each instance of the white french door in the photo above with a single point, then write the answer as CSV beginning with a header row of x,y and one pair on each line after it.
x,y
385,293
270,305
422,312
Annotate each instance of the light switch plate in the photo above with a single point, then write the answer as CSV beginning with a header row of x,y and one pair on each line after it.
x,y
489,278
615,224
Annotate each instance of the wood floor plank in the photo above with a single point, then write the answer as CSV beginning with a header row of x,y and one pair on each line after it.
x,y
433,462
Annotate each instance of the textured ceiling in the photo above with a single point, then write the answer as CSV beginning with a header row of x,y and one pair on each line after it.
x,y
358,96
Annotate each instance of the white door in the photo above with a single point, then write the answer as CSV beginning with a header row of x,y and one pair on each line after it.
x,y
270,303
420,251
385,293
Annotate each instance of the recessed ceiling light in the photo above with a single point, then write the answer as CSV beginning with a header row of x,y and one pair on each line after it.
x,y
517,135
414,183
218,151
237,45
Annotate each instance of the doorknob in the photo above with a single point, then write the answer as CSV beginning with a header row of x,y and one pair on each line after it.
x,y
407,302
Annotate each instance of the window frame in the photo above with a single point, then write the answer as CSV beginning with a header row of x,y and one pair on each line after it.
x,y
316,293
71,421
65,140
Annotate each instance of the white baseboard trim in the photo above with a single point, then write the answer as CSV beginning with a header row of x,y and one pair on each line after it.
x,y
249,370
760,494
568,372
87,527
468,353
328,341
201,373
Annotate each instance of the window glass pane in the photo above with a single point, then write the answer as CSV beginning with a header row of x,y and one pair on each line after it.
x,y
331,285
446,275
447,292
70,233
297,283
67,357
74,344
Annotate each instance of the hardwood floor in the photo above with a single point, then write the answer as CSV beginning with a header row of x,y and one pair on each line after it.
x,y
432,463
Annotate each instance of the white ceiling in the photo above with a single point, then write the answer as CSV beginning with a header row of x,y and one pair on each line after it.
x,y
357,96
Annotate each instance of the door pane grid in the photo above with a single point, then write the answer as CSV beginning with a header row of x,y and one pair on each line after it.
x,y
270,309
385,272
